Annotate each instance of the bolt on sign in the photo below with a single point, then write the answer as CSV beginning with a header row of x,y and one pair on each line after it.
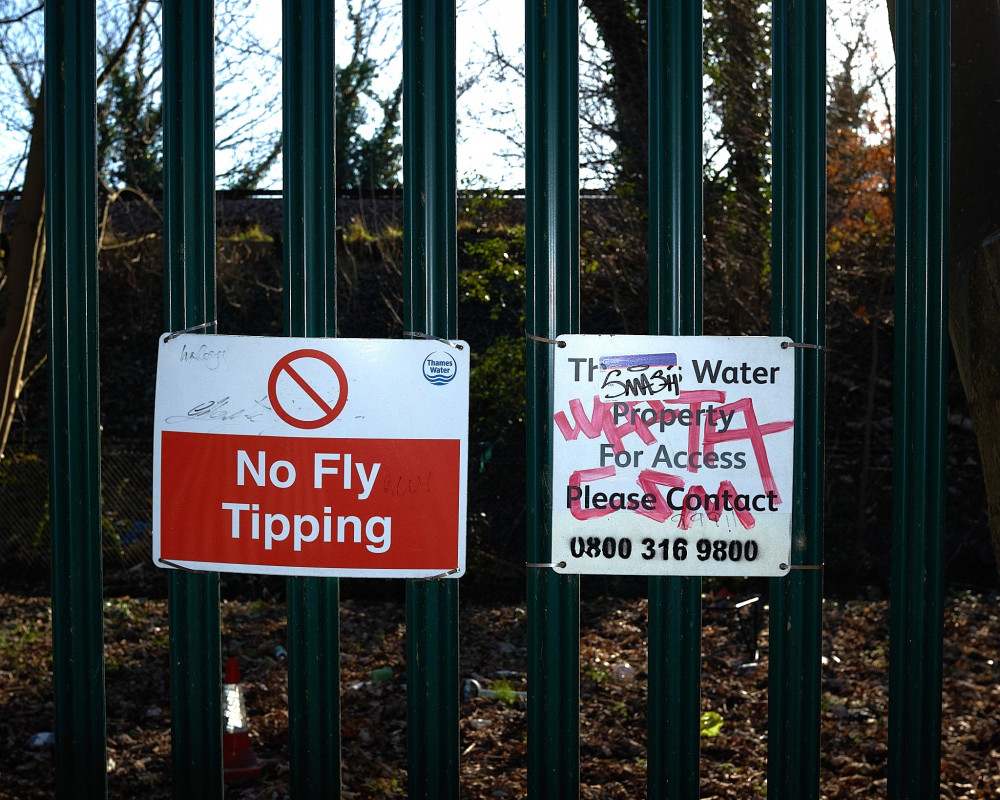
x,y
673,455
323,457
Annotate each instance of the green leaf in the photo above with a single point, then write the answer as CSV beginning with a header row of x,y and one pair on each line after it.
x,y
711,724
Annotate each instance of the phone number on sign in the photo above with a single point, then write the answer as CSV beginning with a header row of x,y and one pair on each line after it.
x,y
677,549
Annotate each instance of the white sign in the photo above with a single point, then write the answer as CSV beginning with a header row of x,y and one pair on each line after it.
x,y
324,457
672,455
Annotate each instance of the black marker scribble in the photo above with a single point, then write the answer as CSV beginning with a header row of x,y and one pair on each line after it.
x,y
223,410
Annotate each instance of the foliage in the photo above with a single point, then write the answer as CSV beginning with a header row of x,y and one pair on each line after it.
x,y
365,163
613,100
504,692
24,509
491,294
860,177
130,123
860,255
710,724
491,287
498,388
737,162
737,187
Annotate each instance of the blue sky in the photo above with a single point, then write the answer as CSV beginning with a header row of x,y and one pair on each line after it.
x,y
490,117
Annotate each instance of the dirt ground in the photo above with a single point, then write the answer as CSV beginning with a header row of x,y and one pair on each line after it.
x,y
493,731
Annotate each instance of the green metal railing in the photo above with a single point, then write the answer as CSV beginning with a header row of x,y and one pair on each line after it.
x,y
310,296
430,307
923,35
74,409
189,296
552,308
798,311
675,308
553,281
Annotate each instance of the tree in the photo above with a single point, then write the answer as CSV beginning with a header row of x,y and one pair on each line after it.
x,y
365,163
974,277
737,192
130,124
621,25
21,276
860,238
737,197
974,229
25,255
365,160
130,134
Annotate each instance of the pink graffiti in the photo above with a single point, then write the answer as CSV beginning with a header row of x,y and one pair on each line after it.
x,y
582,476
601,421
755,433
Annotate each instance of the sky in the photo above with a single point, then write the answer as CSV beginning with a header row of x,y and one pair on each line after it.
x,y
483,155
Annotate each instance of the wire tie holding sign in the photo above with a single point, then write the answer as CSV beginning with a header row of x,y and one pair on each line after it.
x,y
560,564
192,329
183,569
543,340
439,576
801,566
802,346
419,335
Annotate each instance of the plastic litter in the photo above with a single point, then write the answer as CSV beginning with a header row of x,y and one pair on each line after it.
x,y
42,739
473,688
239,761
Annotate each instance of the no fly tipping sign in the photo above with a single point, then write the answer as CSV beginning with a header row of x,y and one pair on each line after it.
x,y
323,457
673,455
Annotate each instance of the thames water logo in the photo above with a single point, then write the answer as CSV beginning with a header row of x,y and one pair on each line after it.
x,y
440,368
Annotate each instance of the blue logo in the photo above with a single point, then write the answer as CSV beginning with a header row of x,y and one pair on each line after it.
x,y
440,368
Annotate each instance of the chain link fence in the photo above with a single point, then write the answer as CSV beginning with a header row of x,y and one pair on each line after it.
x,y
126,525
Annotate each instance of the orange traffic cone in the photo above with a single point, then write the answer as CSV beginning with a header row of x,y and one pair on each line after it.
x,y
238,759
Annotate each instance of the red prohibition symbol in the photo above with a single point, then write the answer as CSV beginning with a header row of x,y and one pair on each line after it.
x,y
328,409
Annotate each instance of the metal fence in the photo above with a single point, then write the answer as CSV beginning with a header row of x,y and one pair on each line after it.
x,y
126,518
922,35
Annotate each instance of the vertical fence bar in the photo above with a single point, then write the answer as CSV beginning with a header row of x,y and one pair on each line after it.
x,y
310,280
430,285
798,311
675,308
552,308
923,29
69,113
189,289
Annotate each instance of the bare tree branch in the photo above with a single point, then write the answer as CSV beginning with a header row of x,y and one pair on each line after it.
x,y
22,17
116,58
17,69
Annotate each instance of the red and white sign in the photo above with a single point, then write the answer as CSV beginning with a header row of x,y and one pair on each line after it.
x,y
323,457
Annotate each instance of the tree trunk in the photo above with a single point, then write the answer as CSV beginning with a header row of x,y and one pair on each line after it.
x,y
974,278
622,26
974,313
25,263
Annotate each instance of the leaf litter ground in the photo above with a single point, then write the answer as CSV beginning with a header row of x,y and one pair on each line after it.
x,y
494,731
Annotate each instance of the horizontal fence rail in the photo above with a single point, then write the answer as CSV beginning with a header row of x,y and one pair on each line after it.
x,y
430,279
